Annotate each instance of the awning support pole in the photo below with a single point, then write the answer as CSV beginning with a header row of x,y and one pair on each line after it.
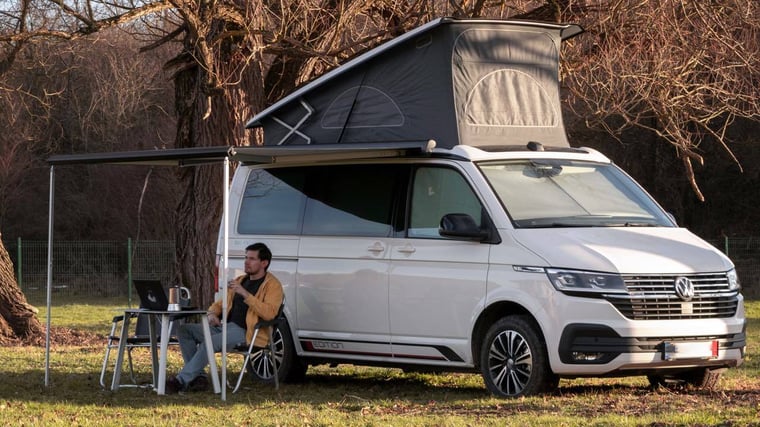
x,y
223,274
49,275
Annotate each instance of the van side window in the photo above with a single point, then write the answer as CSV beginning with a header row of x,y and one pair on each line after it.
x,y
273,202
354,200
438,191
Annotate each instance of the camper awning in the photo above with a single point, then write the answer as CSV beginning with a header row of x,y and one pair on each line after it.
x,y
256,154
162,157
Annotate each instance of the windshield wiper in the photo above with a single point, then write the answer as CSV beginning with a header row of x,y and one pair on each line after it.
x,y
593,224
581,221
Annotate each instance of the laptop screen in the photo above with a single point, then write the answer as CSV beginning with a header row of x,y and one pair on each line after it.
x,y
152,294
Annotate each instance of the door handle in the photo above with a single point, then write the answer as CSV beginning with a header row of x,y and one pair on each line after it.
x,y
377,247
408,249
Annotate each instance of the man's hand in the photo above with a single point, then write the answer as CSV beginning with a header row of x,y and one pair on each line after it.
x,y
213,320
238,289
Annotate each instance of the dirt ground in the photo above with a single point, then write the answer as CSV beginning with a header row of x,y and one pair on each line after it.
x,y
60,336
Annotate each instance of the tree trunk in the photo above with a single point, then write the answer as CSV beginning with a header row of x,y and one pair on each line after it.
x,y
18,319
199,124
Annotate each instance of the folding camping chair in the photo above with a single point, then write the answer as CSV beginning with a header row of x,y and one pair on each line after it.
x,y
140,339
263,361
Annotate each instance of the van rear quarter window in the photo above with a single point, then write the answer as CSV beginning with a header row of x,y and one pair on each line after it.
x,y
328,200
273,202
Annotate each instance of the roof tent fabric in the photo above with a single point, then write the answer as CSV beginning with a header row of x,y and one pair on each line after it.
x,y
472,82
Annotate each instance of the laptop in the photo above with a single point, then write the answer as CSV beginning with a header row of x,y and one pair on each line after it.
x,y
152,294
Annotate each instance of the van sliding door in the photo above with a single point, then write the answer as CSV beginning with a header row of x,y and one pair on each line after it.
x,y
343,261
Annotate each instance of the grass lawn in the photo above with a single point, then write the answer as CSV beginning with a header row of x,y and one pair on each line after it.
x,y
347,395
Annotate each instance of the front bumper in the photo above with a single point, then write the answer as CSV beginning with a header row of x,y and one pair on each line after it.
x,y
594,344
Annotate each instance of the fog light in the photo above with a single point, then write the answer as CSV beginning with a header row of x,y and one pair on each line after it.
x,y
586,357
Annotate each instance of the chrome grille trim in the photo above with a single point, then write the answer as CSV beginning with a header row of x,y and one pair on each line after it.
x,y
653,297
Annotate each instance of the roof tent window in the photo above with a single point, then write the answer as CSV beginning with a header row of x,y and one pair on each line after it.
x,y
362,107
505,83
519,101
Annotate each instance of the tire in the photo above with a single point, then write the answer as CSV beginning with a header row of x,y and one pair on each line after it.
x,y
513,359
698,378
290,367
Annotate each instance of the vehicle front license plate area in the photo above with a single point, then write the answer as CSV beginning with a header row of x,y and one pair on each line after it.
x,y
690,350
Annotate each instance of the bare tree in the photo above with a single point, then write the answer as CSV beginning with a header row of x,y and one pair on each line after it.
x,y
234,58
684,70
16,157
74,96
17,317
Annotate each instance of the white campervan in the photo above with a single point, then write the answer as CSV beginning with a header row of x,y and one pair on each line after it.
x,y
491,246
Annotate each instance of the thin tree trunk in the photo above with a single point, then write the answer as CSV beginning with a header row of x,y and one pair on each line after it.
x,y
17,318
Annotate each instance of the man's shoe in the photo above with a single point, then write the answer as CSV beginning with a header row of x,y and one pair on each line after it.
x,y
173,385
200,383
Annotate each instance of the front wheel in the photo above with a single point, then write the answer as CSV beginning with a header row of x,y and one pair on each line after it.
x,y
513,359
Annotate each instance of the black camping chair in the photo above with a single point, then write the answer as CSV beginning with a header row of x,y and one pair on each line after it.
x,y
140,339
264,361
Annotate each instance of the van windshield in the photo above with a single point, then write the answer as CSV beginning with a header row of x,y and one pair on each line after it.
x,y
566,193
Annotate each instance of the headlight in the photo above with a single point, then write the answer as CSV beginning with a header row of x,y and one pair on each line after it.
x,y
733,280
572,281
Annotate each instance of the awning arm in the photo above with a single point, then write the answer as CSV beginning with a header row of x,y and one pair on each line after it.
x,y
163,157
324,152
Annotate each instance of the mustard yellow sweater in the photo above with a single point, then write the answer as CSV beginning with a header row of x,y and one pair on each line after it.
x,y
264,305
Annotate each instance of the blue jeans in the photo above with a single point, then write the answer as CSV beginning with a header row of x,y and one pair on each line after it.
x,y
193,348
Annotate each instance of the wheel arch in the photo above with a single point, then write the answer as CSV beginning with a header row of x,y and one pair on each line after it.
x,y
489,316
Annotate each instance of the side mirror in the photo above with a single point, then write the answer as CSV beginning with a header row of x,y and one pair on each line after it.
x,y
461,226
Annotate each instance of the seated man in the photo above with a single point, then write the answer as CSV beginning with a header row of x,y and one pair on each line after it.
x,y
251,297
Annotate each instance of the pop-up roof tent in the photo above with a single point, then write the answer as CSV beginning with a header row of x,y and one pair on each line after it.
x,y
471,82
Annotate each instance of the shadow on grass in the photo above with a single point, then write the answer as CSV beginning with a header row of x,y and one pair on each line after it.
x,y
390,390
84,389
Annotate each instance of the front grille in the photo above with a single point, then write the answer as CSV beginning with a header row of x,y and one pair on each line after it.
x,y
653,297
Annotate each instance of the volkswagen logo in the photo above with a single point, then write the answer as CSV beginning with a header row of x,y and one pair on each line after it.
x,y
684,288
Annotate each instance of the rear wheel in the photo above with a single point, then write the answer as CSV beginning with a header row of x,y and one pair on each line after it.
x,y
698,378
513,359
290,367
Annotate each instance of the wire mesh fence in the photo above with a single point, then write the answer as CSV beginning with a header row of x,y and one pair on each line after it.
x,y
90,268
745,253
104,268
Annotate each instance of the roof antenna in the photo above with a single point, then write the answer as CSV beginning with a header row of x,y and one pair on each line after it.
x,y
535,146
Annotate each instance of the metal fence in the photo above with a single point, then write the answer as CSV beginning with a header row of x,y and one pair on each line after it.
x,y
745,253
90,268
104,268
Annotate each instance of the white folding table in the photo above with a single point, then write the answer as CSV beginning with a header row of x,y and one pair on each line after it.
x,y
158,359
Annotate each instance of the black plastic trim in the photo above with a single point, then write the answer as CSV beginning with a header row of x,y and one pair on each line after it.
x,y
594,338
